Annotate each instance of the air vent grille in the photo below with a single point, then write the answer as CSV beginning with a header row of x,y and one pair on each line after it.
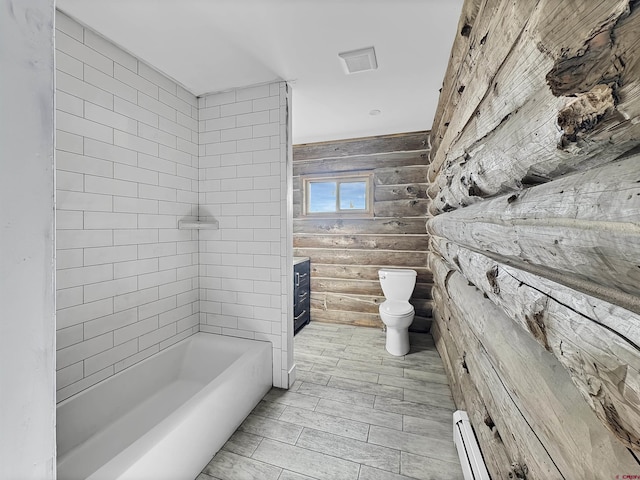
x,y
361,60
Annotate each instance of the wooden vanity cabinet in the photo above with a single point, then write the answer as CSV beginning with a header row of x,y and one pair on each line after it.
x,y
301,294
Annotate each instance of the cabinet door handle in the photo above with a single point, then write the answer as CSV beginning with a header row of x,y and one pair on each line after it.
x,y
297,279
298,317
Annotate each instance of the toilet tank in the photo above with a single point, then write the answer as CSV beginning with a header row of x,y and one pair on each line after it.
x,y
397,283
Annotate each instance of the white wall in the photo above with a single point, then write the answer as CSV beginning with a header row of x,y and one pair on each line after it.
x,y
127,171
27,325
132,158
103,93
245,266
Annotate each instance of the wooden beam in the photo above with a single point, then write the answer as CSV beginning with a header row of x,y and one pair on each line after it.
x,y
595,341
361,287
466,30
346,302
367,242
359,319
360,146
552,30
495,455
362,303
379,225
400,175
550,405
347,318
400,192
416,207
359,162
489,44
361,272
584,226
448,352
512,156
362,257
524,447
499,461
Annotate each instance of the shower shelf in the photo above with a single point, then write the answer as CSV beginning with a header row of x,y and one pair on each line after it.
x,y
198,224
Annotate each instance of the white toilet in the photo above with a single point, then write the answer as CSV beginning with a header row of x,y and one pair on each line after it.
x,y
396,312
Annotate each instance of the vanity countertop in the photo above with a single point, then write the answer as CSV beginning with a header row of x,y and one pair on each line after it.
x,y
297,260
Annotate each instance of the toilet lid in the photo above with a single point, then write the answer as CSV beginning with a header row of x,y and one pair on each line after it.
x,y
396,307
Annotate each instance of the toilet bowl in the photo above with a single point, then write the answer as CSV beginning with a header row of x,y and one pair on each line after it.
x,y
396,312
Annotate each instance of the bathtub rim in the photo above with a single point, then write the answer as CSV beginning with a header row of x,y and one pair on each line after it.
x,y
181,413
151,357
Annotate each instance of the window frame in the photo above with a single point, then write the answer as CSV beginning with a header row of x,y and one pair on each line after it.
x,y
342,177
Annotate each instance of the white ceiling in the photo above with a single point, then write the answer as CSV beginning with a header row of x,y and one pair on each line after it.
x,y
215,45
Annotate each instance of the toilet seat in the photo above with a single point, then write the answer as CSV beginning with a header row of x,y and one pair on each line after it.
x,y
396,308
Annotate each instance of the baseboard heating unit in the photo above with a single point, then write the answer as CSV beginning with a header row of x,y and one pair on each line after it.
x,y
473,467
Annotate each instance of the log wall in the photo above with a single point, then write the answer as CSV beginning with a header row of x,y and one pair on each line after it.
x,y
534,223
347,252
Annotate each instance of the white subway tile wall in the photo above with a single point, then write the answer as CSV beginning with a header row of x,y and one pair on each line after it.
x,y
135,154
127,171
245,265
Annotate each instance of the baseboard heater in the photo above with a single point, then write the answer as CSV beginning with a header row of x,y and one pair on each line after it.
x,y
473,467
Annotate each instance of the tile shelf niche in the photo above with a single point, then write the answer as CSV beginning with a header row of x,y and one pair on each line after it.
x,y
198,224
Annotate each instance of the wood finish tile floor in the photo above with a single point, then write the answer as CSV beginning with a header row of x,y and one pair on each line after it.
x,y
354,413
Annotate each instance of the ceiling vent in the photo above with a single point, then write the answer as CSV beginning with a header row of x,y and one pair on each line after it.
x,y
359,60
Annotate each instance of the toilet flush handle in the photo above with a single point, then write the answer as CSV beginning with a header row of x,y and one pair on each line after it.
x,y
383,276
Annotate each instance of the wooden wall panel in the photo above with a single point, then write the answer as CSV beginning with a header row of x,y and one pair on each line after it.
x,y
360,272
533,208
360,162
363,242
540,416
345,226
594,340
404,142
346,256
346,253
398,192
494,452
582,110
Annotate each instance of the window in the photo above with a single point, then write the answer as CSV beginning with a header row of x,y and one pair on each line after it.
x,y
349,194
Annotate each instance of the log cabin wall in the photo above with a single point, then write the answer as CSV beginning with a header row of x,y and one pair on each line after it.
x,y
535,234
347,252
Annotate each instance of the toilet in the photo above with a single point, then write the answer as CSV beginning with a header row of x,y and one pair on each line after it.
x,y
396,312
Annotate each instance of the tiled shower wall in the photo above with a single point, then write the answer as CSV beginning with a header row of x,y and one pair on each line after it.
x,y
245,266
127,171
128,164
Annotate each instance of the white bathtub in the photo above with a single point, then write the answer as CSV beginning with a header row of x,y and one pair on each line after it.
x,y
165,417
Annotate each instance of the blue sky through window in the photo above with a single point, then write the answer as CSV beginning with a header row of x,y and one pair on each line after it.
x,y
352,196
323,196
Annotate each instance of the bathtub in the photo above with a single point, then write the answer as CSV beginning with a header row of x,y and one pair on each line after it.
x,y
165,417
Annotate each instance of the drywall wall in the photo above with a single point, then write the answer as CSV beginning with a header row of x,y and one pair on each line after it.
x,y
27,324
